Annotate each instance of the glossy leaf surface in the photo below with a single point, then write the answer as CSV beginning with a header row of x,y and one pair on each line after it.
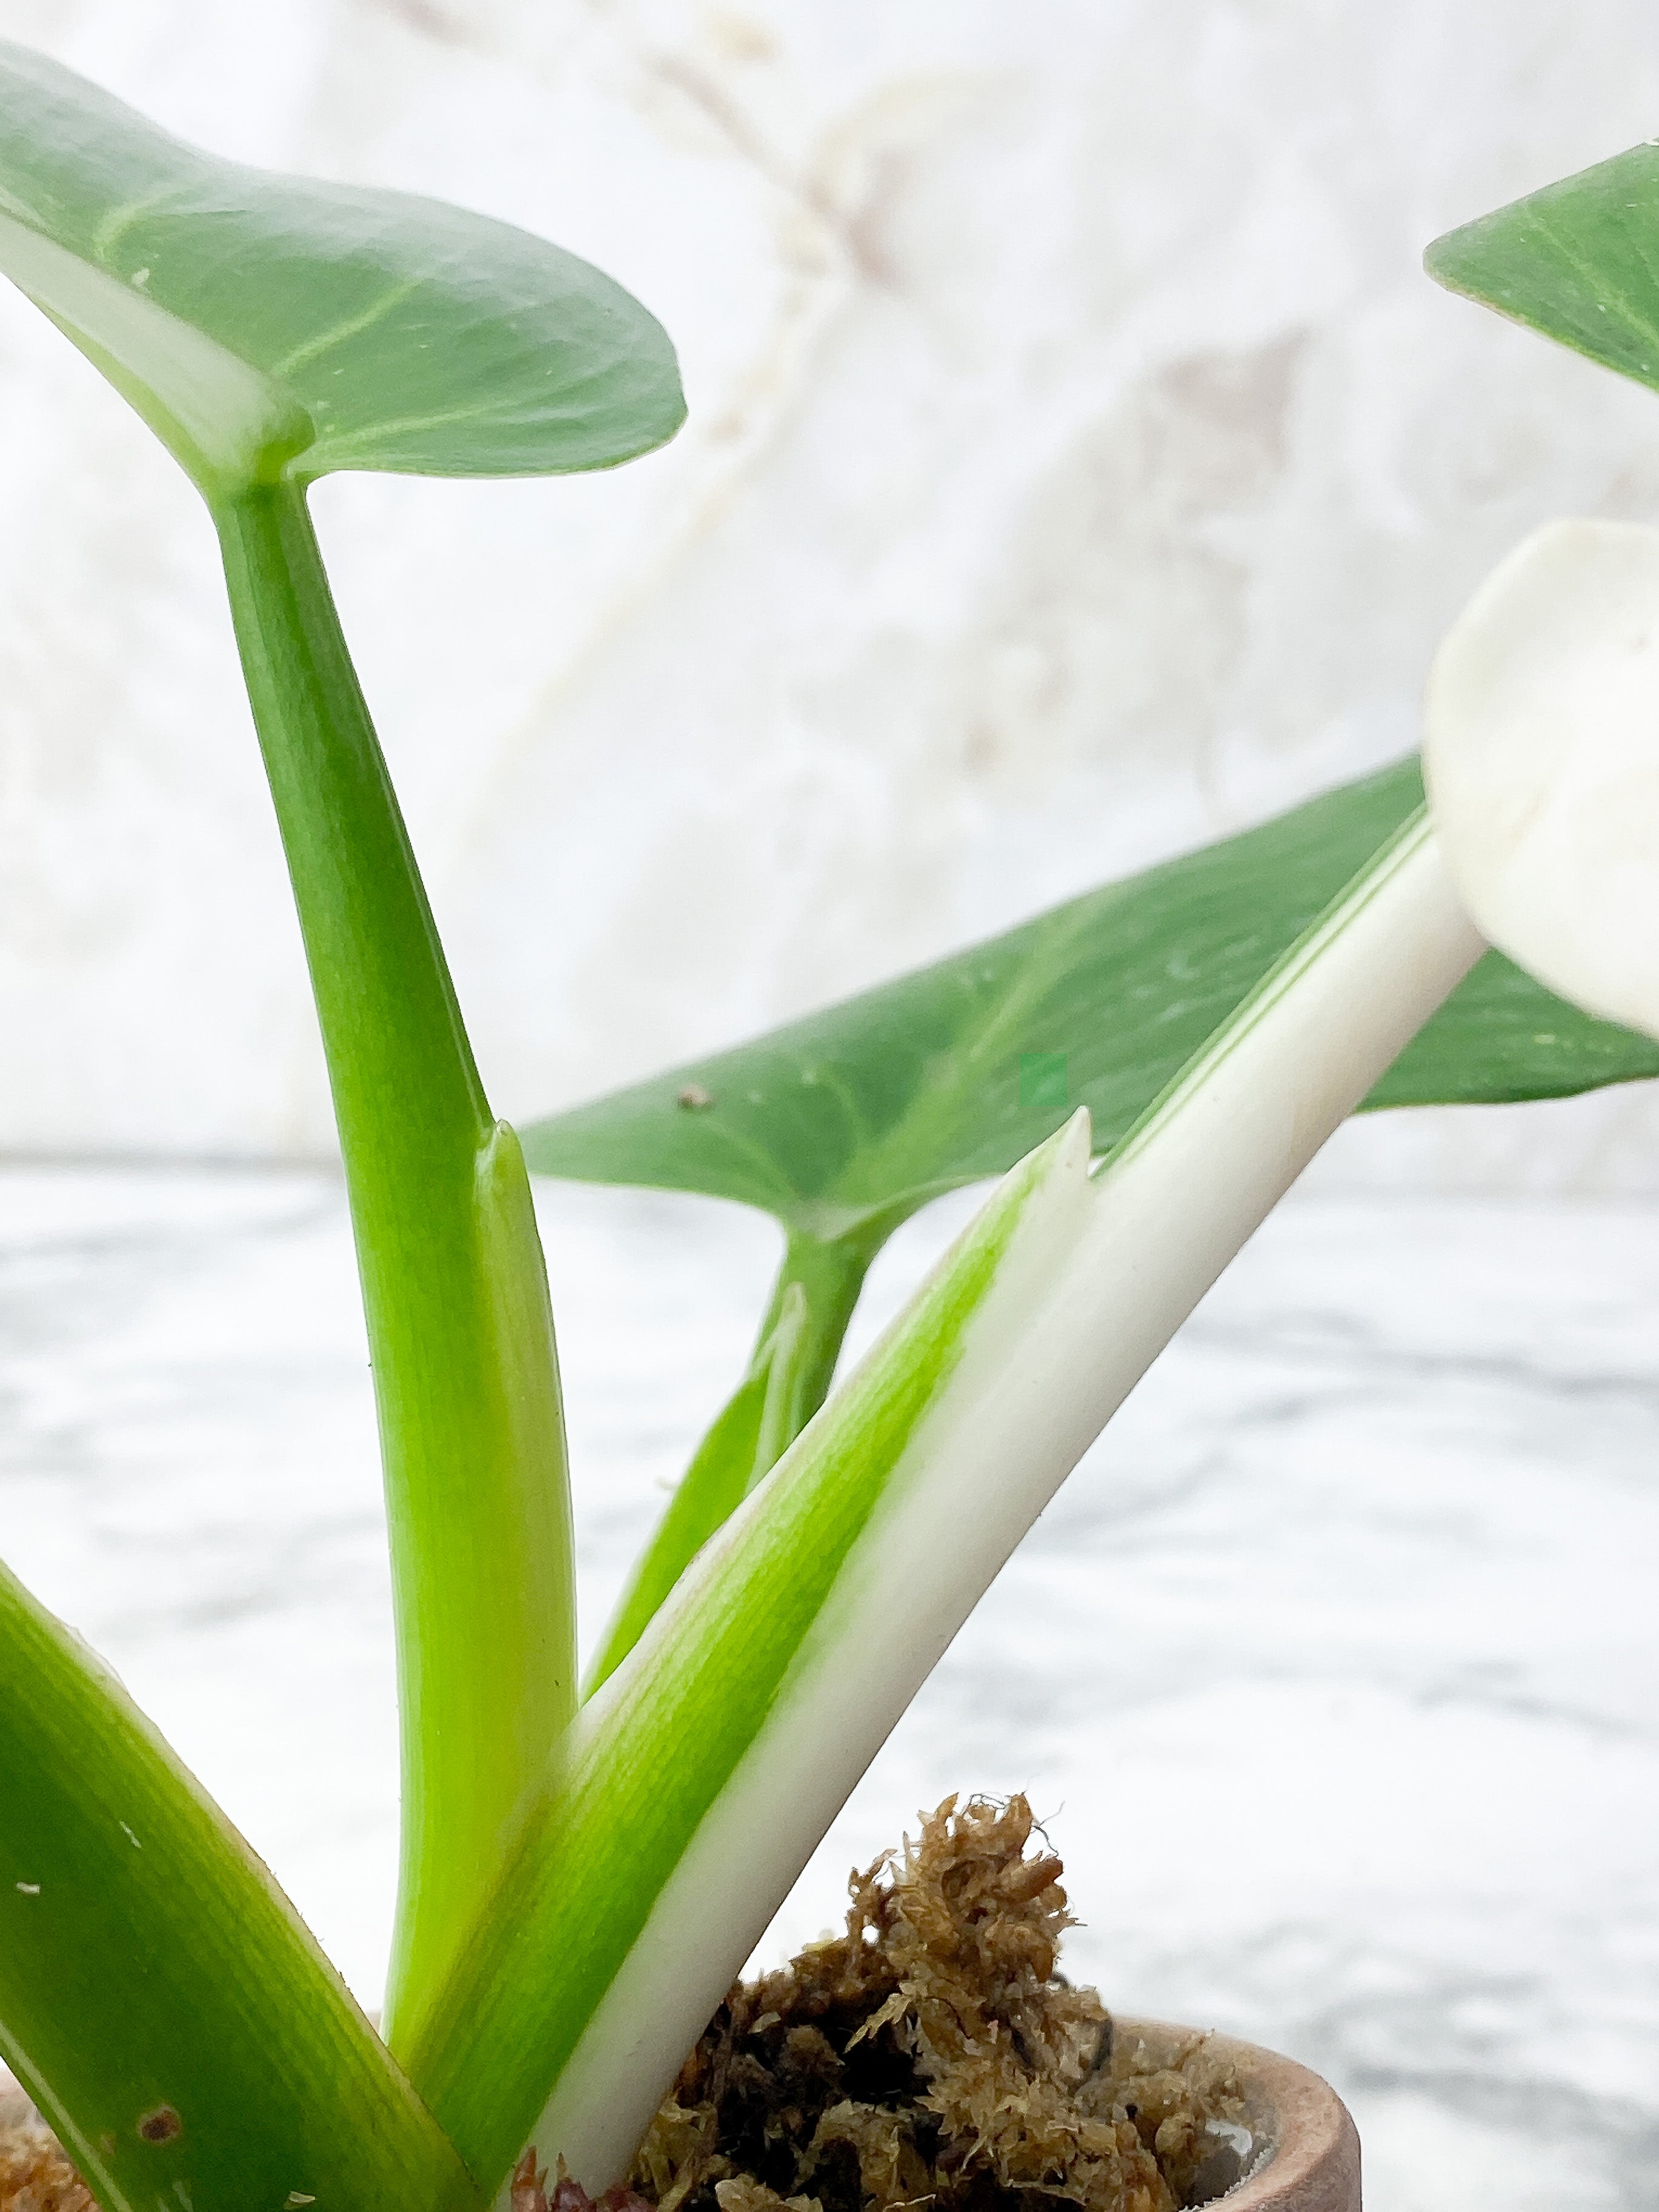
x,y
1578,260
857,1116
266,324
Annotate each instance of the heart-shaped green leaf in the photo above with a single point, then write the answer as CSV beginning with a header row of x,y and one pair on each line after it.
x,y
855,1116
1578,260
266,326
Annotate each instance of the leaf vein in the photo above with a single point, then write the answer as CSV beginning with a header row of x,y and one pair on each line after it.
x,y
353,326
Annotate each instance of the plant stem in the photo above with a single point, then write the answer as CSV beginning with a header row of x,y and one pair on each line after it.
x,y
789,1375
830,1273
455,1289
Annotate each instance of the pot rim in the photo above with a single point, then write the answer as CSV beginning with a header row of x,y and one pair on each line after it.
x,y
1312,2146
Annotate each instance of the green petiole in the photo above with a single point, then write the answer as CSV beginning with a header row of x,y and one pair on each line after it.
x,y
788,1378
455,1289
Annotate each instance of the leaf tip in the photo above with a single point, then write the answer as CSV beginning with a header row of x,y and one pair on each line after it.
x,y
1077,1143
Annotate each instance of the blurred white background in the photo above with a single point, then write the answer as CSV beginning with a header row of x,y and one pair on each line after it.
x,y
1078,465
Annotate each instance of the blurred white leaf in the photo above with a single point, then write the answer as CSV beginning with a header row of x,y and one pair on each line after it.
x,y
1542,756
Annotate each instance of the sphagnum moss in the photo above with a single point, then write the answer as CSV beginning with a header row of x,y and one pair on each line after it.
x,y
36,2175
933,2054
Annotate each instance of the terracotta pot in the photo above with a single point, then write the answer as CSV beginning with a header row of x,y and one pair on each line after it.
x,y
1303,2155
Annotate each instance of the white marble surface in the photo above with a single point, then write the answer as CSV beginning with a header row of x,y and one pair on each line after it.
x,y
1079,464
1334,1671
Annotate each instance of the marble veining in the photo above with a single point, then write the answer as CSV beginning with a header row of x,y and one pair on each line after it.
x,y
1334,1671
1078,465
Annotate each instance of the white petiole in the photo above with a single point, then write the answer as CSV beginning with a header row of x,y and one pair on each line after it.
x,y
707,1770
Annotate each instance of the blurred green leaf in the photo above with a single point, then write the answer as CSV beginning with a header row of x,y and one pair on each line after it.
x,y
268,325
849,1121
1578,260
158,1997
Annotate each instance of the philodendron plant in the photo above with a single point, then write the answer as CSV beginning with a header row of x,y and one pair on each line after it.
x,y
1148,1068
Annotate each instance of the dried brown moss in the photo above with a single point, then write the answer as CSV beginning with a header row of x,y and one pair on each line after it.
x,y
34,2174
534,2191
933,2054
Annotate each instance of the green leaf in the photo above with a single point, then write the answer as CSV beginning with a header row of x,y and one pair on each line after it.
x,y
844,1123
267,325
1578,260
159,1997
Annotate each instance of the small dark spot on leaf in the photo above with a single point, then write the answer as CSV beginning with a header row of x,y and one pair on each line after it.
x,y
161,2125
695,1099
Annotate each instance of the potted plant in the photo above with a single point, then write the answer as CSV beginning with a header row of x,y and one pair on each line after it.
x,y
585,1868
